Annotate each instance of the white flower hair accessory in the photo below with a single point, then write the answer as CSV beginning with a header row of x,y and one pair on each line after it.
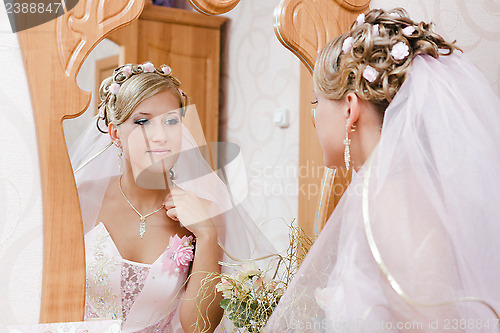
x,y
127,69
375,30
148,67
347,45
114,88
370,74
166,69
409,30
400,51
360,19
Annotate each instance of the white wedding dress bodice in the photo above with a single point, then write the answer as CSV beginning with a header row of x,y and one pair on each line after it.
x,y
143,296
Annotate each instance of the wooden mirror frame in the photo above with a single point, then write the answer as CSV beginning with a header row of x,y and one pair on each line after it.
x,y
53,54
213,7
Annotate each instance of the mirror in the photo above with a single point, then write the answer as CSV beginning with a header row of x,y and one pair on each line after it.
x,y
159,35
99,64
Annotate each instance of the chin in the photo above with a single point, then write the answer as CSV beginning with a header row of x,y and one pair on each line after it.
x,y
160,167
153,177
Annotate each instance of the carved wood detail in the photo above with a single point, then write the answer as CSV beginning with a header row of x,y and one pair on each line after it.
x,y
213,7
304,27
53,54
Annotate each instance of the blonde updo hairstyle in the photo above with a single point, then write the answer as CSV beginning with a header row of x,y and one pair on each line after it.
x,y
338,73
135,85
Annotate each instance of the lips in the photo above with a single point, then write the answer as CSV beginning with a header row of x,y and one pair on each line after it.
x,y
159,152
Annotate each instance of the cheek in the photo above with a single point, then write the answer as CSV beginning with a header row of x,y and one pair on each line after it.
x,y
175,138
330,136
324,125
134,145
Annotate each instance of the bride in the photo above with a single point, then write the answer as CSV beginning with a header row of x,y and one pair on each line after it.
x,y
154,212
413,244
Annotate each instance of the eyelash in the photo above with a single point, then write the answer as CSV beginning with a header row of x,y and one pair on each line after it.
x,y
143,121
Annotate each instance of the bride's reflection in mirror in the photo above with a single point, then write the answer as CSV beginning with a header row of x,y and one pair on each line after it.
x,y
140,239
154,212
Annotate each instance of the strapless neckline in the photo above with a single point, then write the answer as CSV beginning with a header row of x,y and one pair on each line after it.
x,y
120,255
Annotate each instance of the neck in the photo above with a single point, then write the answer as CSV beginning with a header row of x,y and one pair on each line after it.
x,y
143,199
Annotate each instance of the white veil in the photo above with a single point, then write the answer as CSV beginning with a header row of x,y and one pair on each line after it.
x,y
414,241
95,161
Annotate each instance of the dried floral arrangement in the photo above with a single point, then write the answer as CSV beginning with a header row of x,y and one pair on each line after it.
x,y
251,294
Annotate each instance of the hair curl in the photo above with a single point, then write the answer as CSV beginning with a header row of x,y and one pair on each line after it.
x,y
136,85
338,73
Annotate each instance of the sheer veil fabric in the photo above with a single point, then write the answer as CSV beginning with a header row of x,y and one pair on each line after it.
x,y
95,161
413,243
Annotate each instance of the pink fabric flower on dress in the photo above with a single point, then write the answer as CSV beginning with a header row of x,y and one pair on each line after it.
x,y
370,73
400,51
179,254
347,45
148,67
166,69
114,88
409,30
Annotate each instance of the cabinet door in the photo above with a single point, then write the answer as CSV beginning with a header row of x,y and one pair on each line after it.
x,y
193,52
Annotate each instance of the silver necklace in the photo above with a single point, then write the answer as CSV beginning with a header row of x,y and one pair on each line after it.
x,y
142,223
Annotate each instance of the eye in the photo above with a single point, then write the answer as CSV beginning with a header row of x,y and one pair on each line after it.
x,y
172,121
142,121
315,102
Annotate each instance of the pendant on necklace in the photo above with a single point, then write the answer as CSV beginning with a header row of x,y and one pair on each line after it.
x,y
142,227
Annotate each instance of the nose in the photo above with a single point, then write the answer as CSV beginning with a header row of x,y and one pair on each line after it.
x,y
157,133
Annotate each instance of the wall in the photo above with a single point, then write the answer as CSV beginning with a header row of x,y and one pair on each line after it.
x,y
260,76
20,190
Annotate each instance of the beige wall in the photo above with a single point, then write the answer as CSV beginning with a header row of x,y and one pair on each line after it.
x,y
260,76
20,190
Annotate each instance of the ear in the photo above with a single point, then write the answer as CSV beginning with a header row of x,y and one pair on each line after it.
x,y
353,110
114,135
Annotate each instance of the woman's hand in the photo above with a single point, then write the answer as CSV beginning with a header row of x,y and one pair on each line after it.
x,y
191,212
198,305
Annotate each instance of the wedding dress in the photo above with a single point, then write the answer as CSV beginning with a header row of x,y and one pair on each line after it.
x,y
413,244
144,297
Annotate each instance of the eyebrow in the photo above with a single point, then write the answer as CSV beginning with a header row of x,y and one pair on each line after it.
x,y
148,114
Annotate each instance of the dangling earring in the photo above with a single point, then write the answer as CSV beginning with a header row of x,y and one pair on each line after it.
x,y
120,162
171,172
347,153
